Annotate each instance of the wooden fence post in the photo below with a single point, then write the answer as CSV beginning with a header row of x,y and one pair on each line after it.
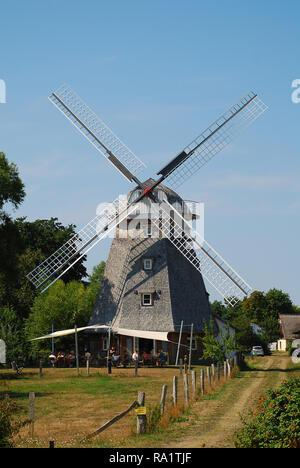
x,y
88,366
163,399
175,390
225,369
180,366
235,360
228,367
213,373
208,375
194,383
31,413
185,360
186,389
202,381
141,422
41,369
219,371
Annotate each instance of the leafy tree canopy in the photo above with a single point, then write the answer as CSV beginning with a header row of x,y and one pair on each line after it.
x,y
11,186
63,305
218,348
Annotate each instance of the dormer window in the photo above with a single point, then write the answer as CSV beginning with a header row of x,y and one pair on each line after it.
x,y
148,263
147,299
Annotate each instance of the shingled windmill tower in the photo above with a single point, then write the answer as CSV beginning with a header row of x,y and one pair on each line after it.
x,y
153,280
149,285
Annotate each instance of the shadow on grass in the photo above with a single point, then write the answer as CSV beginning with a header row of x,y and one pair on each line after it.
x,y
15,376
273,369
19,395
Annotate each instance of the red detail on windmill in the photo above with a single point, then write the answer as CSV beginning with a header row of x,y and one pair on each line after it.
x,y
147,191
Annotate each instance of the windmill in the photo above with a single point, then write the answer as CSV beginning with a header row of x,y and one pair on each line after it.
x,y
175,233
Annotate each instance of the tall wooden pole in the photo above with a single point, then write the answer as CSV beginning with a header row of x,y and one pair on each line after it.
x,y
179,341
52,339
191,340
76,350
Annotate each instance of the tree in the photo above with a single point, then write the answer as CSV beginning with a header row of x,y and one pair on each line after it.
x,y
95,280
11,333
255,306
11,186
218,309
270,330
296,309
63,305
24,244
245,336
217,347
278,302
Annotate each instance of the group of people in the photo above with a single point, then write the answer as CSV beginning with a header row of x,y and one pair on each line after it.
x,y
153,359
66,359
114,358
158,359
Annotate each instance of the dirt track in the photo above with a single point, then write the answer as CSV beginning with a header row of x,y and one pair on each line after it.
x,y
215,420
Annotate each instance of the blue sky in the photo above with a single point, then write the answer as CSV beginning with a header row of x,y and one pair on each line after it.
x,y
158,73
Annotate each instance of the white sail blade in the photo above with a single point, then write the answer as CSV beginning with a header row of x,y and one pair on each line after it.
x,y
83,241
213,140
227,282
96,132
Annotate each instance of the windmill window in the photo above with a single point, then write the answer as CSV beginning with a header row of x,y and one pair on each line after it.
x,y
147,299
194,342
105,343
149,230
148,264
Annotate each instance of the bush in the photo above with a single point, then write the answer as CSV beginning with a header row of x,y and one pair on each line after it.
x,y
7,408
275,423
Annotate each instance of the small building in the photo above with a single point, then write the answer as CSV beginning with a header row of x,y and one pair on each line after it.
x,y
290,330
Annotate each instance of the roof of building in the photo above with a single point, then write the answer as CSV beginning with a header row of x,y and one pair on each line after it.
x,y
290,326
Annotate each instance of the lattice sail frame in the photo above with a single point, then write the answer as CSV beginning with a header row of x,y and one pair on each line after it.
x,y
81,243
213,267
216,137
227,282
97,133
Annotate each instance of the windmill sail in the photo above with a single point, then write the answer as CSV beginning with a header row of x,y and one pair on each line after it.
x,y
203,148
97,133
83,241
199,253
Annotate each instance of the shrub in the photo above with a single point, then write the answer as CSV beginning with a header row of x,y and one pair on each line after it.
x,y
7,407
275,422
153,418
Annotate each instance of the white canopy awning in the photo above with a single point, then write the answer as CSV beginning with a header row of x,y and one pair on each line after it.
x,y
150,335
57,334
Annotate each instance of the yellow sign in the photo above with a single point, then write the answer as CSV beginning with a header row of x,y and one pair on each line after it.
x,y
140,410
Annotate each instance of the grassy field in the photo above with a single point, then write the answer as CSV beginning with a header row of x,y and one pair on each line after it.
x,y
69,407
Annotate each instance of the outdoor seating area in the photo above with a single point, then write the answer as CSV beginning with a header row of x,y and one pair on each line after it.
x,y
113,358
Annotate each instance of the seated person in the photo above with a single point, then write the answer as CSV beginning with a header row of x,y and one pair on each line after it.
x,y
115,359
125,360
161,358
